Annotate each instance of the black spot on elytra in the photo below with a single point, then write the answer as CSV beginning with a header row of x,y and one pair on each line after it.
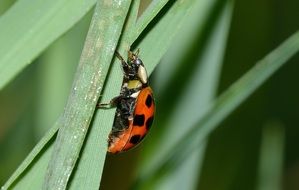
x,y
139,120
135,139
149,122
148,101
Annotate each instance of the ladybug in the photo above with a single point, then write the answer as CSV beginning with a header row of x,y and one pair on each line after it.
x,y
135,106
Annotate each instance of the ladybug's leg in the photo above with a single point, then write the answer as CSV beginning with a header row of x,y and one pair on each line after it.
x,y
123,62
120,57
125,65
111,104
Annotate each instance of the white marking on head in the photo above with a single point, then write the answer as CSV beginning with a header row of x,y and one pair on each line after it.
x,y
142,75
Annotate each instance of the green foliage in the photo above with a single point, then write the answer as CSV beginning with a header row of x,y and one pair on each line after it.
x,y
189,40
32,26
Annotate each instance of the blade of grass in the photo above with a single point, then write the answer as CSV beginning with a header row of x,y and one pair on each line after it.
x,y
223,106
90,166
148,15
30,26
33,177
100,44
181,46
159,34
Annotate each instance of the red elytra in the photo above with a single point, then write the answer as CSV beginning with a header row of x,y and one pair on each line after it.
x,y
139,125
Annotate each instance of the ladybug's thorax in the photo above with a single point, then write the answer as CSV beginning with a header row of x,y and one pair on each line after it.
x,y
132,84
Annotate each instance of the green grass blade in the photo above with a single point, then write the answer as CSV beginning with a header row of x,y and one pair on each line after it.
x,y
223,106
157,37
100,44
32,25
90,165
148,15
33,175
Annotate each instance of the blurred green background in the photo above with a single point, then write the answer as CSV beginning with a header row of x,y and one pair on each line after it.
x,y
232,159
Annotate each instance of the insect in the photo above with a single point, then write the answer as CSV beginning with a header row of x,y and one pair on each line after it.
x,y
135,106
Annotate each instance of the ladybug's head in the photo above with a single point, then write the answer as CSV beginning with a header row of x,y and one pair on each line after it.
x,y
136,66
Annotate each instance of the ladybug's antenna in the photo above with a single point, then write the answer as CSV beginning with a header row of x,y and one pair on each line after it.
x,y
133,55
137,52
119,56
123,62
